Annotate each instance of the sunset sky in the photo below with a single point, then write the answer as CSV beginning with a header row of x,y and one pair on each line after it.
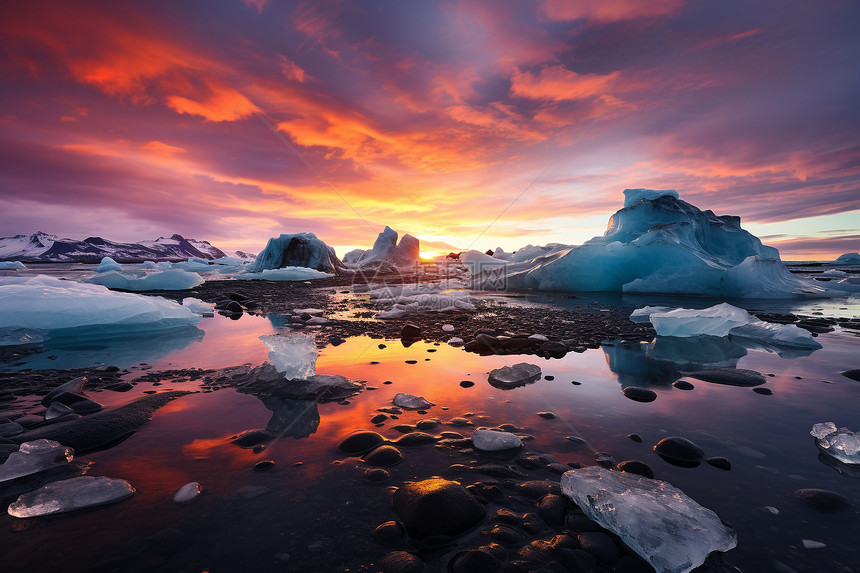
x,y
469,124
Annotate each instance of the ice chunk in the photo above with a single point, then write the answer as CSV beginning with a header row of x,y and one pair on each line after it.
x,y
285,274
293,355
163,280
841,444
108,264
410,402
10,336
477,261
33,457
12,265
660,244
776,334
655,519
642,315
187,492
848,259
386,249
70,494
50,304
495,440
513,376
297,250
308,311
633,196
198,306
441,296
714,321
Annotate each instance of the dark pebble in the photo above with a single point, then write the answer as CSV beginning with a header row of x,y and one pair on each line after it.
x,y
411,362
552,508
507,535
640,394
378,419
263,465
474,562
538,488
360,442
605,460
720,462
404,428
600,545
410,332
763,391
381,346
635,437
636,467
388,382
576,383
402,562
683,385
436,506
546,415
390,533
427,424
466,384
853,374
823,500
549,377
679,451
576,560
416,439
384,456
251,438
376,474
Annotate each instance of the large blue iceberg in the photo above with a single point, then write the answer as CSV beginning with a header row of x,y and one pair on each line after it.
x,y
297,250
659,243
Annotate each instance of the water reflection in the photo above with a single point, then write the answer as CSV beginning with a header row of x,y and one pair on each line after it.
x,y
290,417
660,362
75,349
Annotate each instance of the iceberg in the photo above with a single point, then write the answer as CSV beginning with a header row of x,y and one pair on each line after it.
x,y
108,264
49,304
163,280
69,495
34,457
655,519
297,250
386,249
848,259
476,261
293,355
198,306
841,444
724,320
12,265
659,243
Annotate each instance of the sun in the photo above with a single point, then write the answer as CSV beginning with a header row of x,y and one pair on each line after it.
x,y
429,255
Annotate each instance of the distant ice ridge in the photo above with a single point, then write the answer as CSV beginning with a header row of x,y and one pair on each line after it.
x,y
655,519
848,259
46,304
12,265
441,296
723,320
660,244
163,280
286,274
841,443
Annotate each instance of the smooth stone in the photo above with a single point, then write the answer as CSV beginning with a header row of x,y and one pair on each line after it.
x,y
553,349
427,424
34,457
188,492
390,533
635,437
378,419
635,467
519,374
683,385
360,442
436,506
639,394
720,462
729,376
475,561
547,415
403,428
70,494
679,449
493,440
251,438
75,386
410,402
410,331
402,562
600,545
384,456
552,508
264,465
539,488
85,406
576,560
416,439
57,410
9,429
853,374
823,500
466,383
376,474
506,535
763,391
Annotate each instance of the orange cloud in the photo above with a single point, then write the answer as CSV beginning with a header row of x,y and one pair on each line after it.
x,y
224,104
558,83
607,10
159,147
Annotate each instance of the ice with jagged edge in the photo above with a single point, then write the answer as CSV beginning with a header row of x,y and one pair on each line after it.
x,y
163,280
292,354
386,249
285,274
723,320
476,261
659,243
654,518
34,457
839,443
297,250
442,296
108,264
198,306
70,494
45,304
12,266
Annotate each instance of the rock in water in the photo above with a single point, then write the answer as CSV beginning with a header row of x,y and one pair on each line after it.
x,y
187,492
410,402
436,506
33,457
655,519
494,440
729,376
514,376
69,495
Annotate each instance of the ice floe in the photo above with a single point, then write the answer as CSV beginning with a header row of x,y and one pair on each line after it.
x,y
293,355
655,519
839,443
164,280
285,274
70,494
297,250
108,264
12,265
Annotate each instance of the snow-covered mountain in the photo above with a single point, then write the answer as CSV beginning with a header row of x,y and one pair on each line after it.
x,y
41,247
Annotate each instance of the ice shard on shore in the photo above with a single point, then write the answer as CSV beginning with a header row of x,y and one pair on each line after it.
x,y
654,518
70,494
839,443
293,355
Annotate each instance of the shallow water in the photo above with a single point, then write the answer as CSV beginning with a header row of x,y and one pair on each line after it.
x,y
319,516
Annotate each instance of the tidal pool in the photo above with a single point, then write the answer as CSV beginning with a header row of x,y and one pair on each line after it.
x,y
313,512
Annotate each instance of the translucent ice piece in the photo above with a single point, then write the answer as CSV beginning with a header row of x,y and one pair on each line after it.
x,y
70,494
34,457
715,321
293,355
